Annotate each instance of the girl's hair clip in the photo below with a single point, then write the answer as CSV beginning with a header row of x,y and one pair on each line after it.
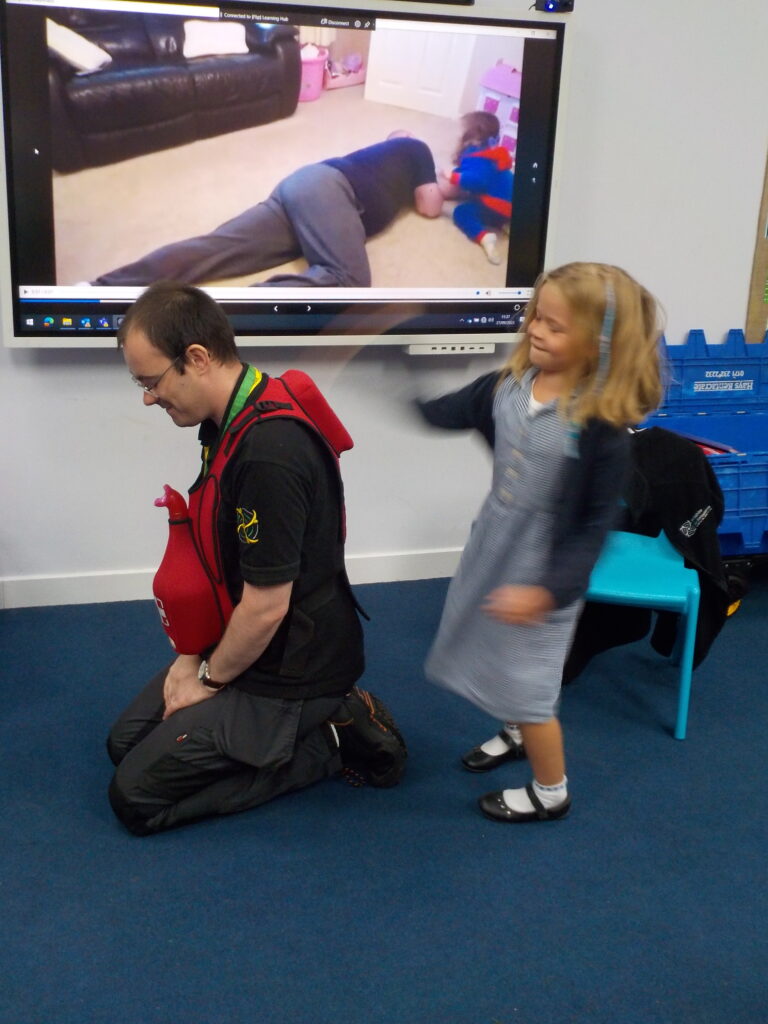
x,y
606,334
571,440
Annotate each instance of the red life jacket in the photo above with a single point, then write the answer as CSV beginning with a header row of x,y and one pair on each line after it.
x,y
189,587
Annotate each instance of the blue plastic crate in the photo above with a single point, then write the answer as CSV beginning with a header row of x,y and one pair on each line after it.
x,y
719,393
731,377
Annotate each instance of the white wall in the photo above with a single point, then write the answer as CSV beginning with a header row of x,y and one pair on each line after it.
x,y
661,164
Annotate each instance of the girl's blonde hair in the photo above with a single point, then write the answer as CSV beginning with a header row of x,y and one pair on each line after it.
x,y
628,385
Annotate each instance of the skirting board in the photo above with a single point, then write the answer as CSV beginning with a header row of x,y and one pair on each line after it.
x,y
136,585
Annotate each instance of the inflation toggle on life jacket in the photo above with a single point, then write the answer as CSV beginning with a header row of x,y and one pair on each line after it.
x,y
189,587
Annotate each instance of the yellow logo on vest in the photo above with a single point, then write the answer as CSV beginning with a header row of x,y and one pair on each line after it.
x,y
247,526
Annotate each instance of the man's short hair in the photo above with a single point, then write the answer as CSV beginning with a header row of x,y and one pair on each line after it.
x,y
174,316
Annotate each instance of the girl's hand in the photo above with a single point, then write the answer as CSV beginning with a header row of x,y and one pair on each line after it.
x,y
519,606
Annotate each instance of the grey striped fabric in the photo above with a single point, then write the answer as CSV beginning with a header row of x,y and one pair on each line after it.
x,y
512,672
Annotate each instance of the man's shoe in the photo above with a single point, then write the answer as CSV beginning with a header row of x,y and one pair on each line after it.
x,y
370,743
478,761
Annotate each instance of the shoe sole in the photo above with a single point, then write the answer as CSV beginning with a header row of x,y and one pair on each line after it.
x,y
378,715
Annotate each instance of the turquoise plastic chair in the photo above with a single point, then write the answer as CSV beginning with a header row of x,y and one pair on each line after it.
x,y
648,572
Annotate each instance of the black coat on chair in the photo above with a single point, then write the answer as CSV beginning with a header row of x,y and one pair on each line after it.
x,y
672,487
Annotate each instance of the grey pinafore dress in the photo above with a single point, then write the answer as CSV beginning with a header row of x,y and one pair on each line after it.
x,y
512,672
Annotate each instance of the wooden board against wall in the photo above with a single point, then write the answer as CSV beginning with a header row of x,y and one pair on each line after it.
x,y
757,310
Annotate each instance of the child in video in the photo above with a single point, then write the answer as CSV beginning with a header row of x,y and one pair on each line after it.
x,y
556,417
482,180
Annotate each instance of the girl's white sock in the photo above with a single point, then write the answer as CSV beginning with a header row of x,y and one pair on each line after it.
x,y
550,796
497,745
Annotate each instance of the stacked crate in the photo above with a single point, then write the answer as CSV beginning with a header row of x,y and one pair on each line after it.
x,y
718,395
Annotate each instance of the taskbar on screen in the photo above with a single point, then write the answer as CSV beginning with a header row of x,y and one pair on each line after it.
x,y
284,319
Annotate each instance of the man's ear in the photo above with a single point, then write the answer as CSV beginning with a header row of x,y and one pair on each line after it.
x,y
199,358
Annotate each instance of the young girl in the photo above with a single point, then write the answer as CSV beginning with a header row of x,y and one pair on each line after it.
x,y
556,417
483,180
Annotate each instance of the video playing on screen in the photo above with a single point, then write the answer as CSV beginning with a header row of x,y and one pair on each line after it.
x,y
299,163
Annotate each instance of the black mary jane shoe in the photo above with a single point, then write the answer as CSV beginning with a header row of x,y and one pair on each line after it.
x,y
494,807
478,761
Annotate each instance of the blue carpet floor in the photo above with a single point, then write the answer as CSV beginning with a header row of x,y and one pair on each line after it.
x,y
336,905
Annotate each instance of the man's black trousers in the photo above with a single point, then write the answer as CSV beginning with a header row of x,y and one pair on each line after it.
x,y
226,754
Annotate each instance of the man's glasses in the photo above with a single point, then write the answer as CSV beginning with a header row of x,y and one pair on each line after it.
x,y
151,389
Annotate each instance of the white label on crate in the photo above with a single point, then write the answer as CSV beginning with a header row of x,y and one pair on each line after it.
x,y
723,385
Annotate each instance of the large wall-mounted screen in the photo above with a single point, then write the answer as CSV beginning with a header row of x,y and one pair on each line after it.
x,y
312,167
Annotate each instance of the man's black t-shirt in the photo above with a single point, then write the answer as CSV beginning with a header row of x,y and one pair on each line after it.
x,y
384,177
279,522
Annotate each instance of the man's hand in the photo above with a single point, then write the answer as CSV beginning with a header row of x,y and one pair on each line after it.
x,y
519,606
182,687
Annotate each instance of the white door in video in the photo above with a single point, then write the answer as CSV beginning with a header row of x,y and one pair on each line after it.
x,y
419,70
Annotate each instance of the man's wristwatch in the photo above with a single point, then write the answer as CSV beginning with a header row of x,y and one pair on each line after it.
x,y
204,675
